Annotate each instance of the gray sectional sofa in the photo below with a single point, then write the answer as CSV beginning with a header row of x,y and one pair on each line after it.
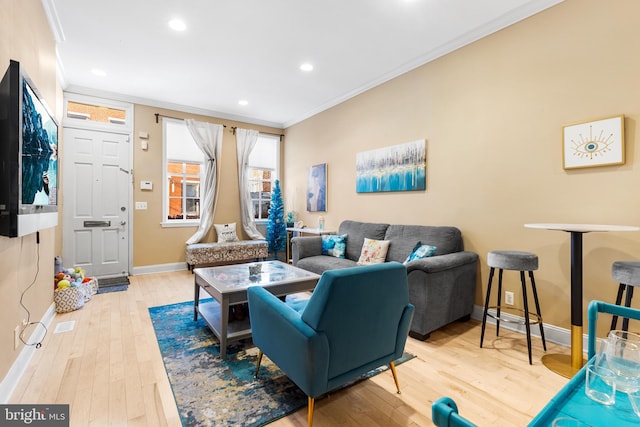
x,y
441,287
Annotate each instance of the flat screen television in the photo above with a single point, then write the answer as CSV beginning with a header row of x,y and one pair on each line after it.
x,y
28,157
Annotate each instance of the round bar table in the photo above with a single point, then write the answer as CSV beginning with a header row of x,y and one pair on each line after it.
x,y
563,364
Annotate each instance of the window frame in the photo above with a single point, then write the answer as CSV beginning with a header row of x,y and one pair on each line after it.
x,y
275,173
71,121
181,222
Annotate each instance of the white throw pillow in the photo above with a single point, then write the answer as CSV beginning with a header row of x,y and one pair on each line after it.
x,y
373,251
226,232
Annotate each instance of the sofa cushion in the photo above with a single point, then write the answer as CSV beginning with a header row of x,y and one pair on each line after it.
x,y
334,245
319,263
373,252
420,251
405,237
226,232
357,231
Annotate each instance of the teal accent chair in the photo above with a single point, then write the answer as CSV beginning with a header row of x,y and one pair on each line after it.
x,y
356,320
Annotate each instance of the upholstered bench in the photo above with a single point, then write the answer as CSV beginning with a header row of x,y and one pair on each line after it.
x,y
226,252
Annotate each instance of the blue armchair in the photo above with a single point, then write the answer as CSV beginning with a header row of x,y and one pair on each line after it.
x,y
356,320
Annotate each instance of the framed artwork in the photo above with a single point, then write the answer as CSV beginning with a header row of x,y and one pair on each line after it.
x,y
400,167
317,188
594,143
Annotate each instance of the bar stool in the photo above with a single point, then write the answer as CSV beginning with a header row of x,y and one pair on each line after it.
x,y
627,274
518,261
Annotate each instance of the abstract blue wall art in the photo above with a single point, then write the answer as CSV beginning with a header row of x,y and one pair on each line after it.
x,y
317,188
400,167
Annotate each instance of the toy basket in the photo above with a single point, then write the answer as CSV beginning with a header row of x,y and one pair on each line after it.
x,y
89,289
69,299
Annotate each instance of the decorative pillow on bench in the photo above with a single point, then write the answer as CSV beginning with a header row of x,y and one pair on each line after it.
x,y
226,232
334,245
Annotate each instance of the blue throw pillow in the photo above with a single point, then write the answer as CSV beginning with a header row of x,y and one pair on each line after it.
x,y
334,245
420,251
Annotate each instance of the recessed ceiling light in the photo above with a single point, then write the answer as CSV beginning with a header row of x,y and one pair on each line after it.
x,y
243,102
98,73
177,25
306,67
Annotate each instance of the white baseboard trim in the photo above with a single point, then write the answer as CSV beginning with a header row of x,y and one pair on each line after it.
x,y
159,268
11,380
552,333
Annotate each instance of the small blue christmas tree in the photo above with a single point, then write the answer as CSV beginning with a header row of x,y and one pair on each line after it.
x,y
276,227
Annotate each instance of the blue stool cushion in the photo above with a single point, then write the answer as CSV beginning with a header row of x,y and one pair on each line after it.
x,y
626,272
513,260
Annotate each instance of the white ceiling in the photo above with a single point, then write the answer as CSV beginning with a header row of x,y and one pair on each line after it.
x,y
252,49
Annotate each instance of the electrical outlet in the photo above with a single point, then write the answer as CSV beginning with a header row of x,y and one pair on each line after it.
x,y
16,337
508,298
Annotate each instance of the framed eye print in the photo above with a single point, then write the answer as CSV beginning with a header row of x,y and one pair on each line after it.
x,y
594,143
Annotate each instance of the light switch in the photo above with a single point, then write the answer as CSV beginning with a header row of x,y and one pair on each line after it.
x,y
141,205
144,144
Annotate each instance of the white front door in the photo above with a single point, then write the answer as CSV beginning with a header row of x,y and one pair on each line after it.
x,y
96,184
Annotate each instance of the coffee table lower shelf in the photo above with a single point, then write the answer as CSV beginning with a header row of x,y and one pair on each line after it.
x,y
236,330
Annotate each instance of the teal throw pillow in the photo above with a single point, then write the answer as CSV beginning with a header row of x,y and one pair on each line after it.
x,y
421,251
334,245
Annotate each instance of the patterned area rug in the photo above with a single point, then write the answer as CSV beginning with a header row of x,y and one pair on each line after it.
x,y
211,392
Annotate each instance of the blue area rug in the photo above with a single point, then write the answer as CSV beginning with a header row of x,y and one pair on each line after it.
x,y
212,392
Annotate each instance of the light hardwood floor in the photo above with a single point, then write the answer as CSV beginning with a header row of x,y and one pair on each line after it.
x,y
109,369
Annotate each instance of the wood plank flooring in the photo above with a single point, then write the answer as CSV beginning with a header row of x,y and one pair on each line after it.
x,y
109,369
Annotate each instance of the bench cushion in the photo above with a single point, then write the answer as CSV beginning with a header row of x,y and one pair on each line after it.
x,y
209,253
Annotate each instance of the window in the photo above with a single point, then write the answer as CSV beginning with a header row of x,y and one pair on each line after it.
x,y
264,169
97,113
87,112
184,166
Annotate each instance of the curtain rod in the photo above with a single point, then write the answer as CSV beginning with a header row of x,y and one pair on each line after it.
x,y
158,115
233,128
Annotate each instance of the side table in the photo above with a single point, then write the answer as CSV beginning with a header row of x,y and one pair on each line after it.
x,y
562,364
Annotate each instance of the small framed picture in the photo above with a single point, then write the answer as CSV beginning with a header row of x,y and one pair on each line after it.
x,y
317,188
593,143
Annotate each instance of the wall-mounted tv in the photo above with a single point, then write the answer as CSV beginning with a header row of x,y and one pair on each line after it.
x,y
28,157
